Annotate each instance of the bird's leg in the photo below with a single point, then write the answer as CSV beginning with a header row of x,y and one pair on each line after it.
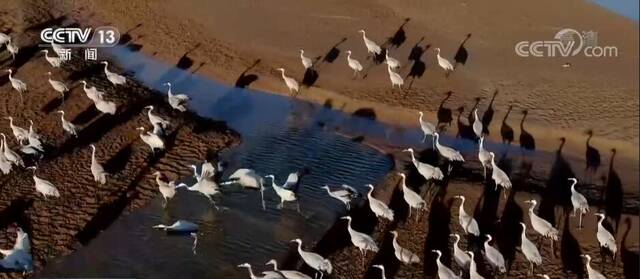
x,y
164,204
580,222
409,212
573,213
484,172
262,199
424,139
321,274
298,206
450,167
213,203
281,205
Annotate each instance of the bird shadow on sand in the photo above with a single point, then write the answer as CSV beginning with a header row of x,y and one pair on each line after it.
x,y
506,131
527,141
399,37
570,251
437,237
613,194
462,54
444,114
55,103
628,257
557,190
418,67
16,213
246,79
310,77
118,161
366,113
487,116
126,37
185,62
333,52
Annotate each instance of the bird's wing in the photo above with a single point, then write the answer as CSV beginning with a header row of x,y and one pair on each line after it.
x,y
292,181
208,170
350,189
182,97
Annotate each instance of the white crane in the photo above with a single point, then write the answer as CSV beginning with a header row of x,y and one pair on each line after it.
x,y
288,274
176,101
542,226
265,274
605,238
493,256
152,140
156,119
114,78
180,226
12,48
204,183
473,269
54,61
392,62
427,128
459,255
379,208
395,78
592,273
314,260
477,125
578,201
543,276
57,85
291,83
403,254
44,187
167,189
67,126
11,156
59,50
443,271
354,64
484,157
247,178
19,256
362,241
467,222
104,106
5,164
98,172
381,267
413,199
286,195
372,47
32,137
4,38
92,92
427,171
529,249
17,84
444,63
498,175
344,195
306,61
448,152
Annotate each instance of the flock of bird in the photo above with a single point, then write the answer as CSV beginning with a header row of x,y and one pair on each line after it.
x,y
208,184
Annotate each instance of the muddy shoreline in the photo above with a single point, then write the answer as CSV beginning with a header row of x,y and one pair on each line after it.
x,y
58,226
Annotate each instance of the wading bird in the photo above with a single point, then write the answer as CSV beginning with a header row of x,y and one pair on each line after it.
x,y
114,78
32,137
57,85
459,255
104,106
412,198
291,83
353,64
427,171
444,63
92,92
392,62
247,178
467,222
362,241
314,260
99,175
152,140
529,249
155,119
449,153
379,208
498,175
288,274
591,273
344,195
443,271
176,101
395,78
54,61
473,269
67,126
284,193
381,267
578,201
542,226
372,47
167,189
605,238
427,128
493,256
17,84
204,184
403,254
265,274
21,134
44,187
484,157
4,38
306,61
19,257
11,156
477,125
5,164
180,226
12,48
